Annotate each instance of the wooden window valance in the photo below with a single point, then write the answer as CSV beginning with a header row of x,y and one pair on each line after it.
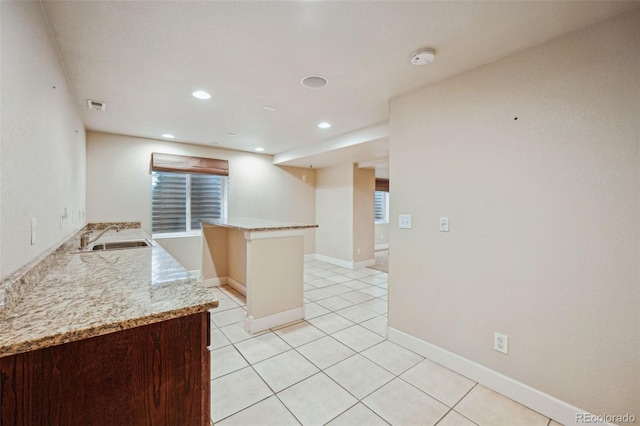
x,y
187,164
382,185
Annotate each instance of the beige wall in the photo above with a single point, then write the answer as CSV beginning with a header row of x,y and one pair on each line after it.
x,y
382,234
345,213
544,215
42,149
187,250
364,186
334,212
119,185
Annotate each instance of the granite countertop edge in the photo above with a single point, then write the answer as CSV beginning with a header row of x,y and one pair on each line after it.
x,y
74,296
100,330
257,225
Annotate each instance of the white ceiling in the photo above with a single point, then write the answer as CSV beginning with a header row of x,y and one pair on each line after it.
x,y
145,58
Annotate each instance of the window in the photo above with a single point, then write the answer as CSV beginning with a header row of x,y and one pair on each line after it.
x,y
381,205
180,200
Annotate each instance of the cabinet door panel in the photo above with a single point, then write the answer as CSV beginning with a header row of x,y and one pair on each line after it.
x,y
154,374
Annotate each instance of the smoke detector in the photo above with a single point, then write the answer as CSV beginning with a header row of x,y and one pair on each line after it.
x,y
96,105
423,56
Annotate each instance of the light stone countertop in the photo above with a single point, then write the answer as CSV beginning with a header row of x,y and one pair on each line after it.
x,y
257,225
94,293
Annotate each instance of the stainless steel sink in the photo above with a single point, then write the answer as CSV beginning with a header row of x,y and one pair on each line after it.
x,y
120,245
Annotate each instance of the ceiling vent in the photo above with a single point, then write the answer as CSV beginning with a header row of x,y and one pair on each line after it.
x,y
314,81
96,105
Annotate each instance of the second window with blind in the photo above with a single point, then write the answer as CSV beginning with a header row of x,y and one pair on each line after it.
x,y
381,201
185,190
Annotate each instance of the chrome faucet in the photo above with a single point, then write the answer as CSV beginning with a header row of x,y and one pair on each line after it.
x,y
84,238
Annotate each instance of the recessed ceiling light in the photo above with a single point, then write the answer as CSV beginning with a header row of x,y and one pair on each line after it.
x,y
230,134
423,56
259,149
201,94
269,108
168,135
324,125
314,81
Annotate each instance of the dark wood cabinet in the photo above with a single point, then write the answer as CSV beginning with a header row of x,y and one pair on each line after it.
x,y
156,374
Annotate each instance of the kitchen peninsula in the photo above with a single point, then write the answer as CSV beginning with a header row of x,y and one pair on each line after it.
x,y
262,259
105,336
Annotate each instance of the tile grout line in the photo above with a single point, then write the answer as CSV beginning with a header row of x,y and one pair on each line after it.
x,y
460,400
250,365
291,347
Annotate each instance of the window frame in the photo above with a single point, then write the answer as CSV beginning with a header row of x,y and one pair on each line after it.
x,y
189,231
385,208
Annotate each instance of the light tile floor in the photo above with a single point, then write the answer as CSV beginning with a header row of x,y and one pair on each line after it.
x,y
337,367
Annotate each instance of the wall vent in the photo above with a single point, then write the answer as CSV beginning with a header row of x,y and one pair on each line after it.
x,y
96,105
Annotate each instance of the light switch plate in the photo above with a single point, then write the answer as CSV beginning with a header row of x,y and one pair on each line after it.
x,y
444,224
405,221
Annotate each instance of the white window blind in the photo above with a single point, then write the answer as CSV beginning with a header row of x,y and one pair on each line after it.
x,y
206,198
180,200
381,206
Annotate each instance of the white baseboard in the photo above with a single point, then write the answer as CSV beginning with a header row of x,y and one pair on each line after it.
x,y
255,325
214,282
237,285
345,263
541,402
334,261
381,247
220,281
364,264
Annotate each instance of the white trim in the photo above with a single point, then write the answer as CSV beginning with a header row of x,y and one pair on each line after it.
x,y
382,247
214,282
188,206
309,257
334,261
381,162
345,263
189,232
225,199
171,235
364,264
195,273
237,285
296,156
255,325
266,235
541,402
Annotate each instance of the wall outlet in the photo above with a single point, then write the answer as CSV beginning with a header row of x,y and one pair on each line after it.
x,y
444,224
501,342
